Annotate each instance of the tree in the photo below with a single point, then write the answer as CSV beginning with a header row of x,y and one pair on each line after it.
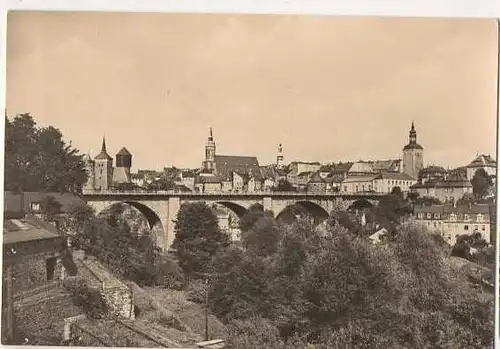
x,y
334,290
50,207
259,230
285,185
37,159
197,237
481,183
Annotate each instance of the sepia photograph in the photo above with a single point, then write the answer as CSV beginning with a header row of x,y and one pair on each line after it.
x,y
248,181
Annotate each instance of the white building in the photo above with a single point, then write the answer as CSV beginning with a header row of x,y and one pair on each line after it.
x,y
451,221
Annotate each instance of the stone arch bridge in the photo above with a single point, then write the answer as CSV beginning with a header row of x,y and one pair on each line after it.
x,y
160,208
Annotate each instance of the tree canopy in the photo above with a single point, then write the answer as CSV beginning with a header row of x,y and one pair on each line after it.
x,y
335,289
38,159
481,183
197,237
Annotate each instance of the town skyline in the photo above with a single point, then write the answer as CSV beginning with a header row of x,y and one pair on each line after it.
x,y
157,93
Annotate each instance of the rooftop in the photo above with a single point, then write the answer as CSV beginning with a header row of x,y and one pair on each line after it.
x,y
483,161
27,229
13,203
227,164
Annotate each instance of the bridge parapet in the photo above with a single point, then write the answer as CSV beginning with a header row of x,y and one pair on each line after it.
x,y
232,194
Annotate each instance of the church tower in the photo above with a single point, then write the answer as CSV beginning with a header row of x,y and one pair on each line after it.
x,y
279,157
413,155
103,168
209,163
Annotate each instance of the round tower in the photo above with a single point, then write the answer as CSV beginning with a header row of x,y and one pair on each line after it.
x,y
413,155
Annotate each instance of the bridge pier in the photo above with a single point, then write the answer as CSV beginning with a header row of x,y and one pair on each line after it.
x,y
174,204
267,203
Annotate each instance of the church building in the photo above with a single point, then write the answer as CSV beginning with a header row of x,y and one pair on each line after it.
x,y
101,173
228,172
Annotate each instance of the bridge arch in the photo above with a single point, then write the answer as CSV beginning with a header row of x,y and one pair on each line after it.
x,y
316,211
361,204
149,214
236,208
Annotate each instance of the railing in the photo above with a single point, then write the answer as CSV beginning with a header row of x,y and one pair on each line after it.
x,y
227,193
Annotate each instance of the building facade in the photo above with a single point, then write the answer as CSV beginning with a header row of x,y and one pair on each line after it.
x,y
485,162
101,173
451,189
451,221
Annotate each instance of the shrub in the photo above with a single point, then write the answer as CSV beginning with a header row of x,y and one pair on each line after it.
x,y
91,300
196,291
169,275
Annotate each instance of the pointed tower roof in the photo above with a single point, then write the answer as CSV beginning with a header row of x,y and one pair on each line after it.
x,y
103,155
412,144
123,151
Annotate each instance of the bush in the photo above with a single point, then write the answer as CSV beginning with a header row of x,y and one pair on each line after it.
x,y
89,299
196,291
169,275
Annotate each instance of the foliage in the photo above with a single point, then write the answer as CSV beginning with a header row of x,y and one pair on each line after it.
x,y
335,289
38,159
89,299
161,184
50,207
466,199
115,239
474,248
259,230
284,185
197,237
481,183
196,291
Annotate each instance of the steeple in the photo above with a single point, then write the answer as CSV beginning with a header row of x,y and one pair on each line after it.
x,y
413,134
103,155
103,147
279,157
209,162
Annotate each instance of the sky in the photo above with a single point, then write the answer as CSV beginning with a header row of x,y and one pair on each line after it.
x,y
327,88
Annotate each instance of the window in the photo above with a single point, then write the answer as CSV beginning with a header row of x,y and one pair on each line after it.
x,y
453,217
483,228
429,215
50,265
466,227
436,215
35,207
479,217
345,187
466,217
357,188
363,187
420,215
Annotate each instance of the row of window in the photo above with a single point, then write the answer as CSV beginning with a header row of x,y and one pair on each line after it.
x,y
466,227
453,216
